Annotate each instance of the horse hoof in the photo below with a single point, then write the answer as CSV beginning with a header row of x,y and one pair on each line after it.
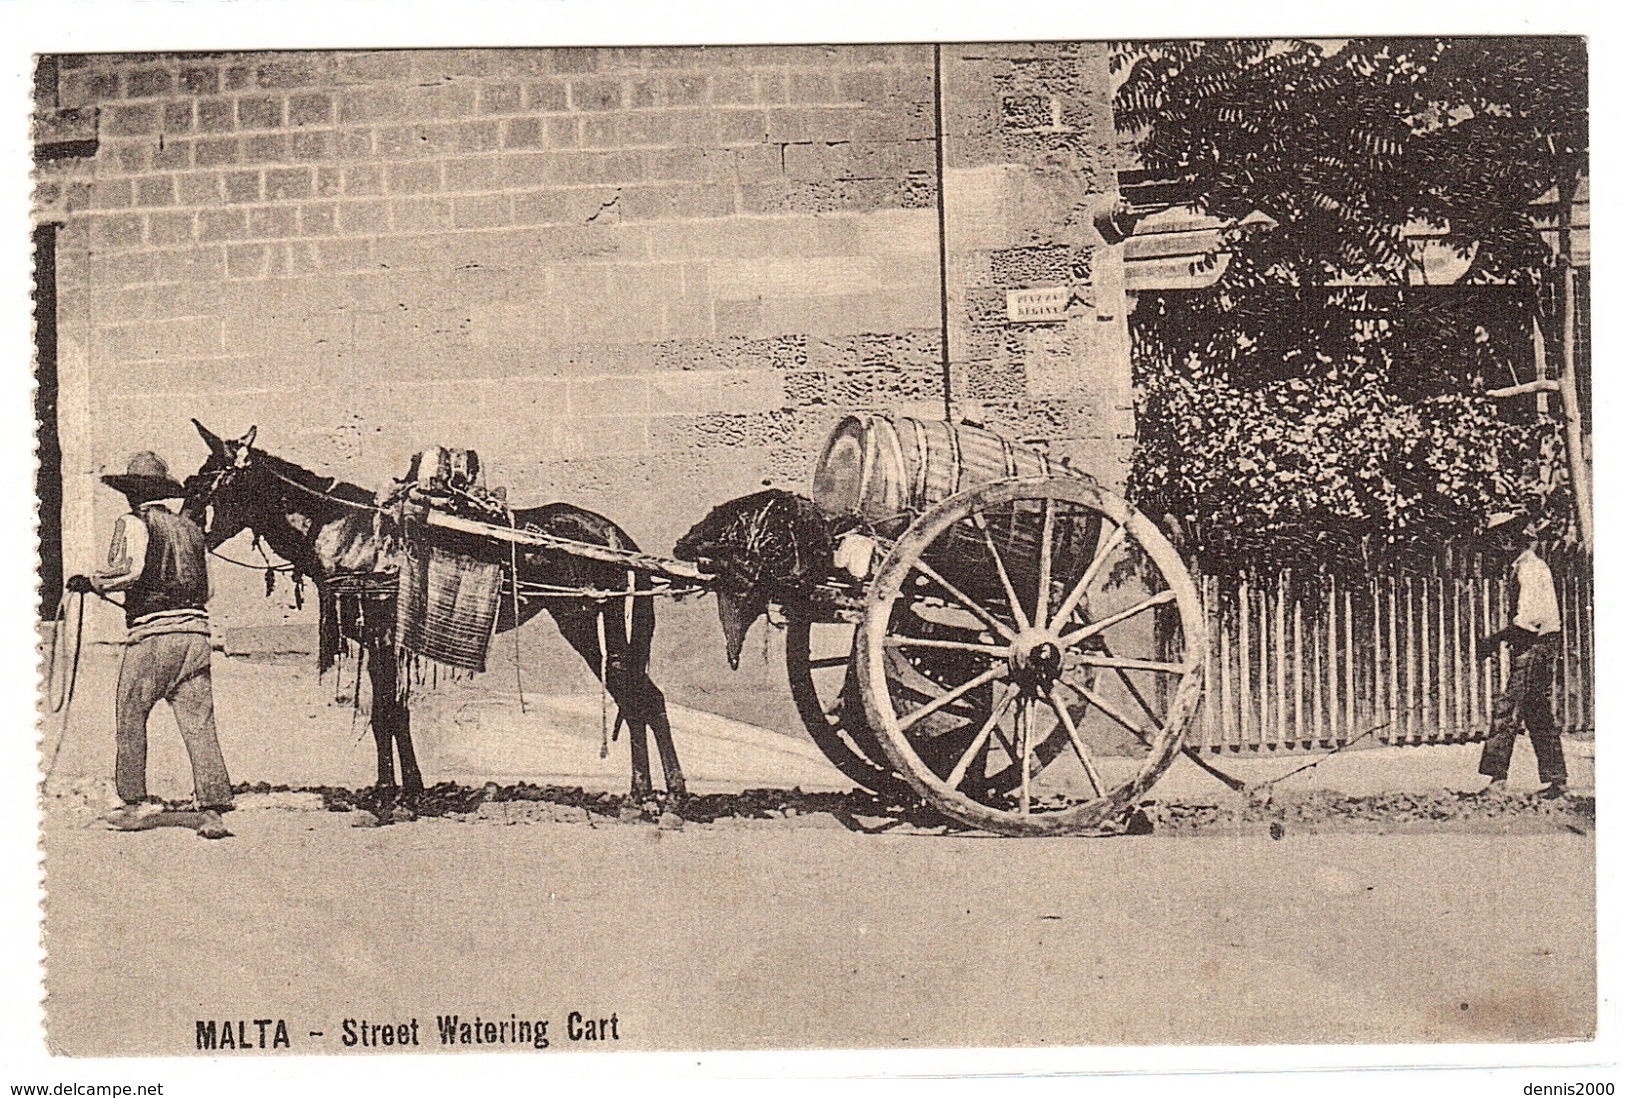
x,y
630,814
402,813
671,821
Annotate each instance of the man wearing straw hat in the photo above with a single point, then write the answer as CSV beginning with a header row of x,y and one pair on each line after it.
x,y
1531,640
157,560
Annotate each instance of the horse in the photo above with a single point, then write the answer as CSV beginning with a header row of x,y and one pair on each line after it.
x,y
333,533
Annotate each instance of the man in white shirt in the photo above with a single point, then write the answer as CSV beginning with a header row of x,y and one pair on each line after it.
x,y
1531,639
157,560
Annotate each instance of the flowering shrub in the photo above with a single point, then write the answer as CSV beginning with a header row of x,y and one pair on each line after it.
x,y
1328,468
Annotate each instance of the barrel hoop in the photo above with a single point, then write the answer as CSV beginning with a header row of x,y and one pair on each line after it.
x,y
895,444
917,493
865,463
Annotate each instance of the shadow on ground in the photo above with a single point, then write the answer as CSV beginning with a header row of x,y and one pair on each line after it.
x,y
1266,810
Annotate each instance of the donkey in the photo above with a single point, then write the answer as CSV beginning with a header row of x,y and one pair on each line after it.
x,y
332,532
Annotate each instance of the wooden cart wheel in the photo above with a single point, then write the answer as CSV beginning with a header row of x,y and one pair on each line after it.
x,y
1077,619
823,683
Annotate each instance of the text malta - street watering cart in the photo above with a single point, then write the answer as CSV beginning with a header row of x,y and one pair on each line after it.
x,y
999,636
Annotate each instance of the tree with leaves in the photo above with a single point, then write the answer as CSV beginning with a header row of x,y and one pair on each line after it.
x,y
1348,145
1352,149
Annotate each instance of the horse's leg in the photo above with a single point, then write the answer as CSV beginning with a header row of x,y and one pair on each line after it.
x,y
379,720
396,717
651,703
579,626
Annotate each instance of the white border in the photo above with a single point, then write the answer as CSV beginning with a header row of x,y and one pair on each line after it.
x,y
134,25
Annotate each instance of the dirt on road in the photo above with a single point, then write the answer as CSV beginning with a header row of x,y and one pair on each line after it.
x,y
777,923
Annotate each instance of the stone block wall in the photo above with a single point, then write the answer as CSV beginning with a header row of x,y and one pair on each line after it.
x,y
642,280
1030,153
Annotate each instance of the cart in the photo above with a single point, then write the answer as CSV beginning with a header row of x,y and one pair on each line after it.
x,y
1023,651
1027,655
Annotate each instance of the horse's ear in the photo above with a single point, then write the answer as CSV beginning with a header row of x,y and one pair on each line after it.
x,y
217,445
244,448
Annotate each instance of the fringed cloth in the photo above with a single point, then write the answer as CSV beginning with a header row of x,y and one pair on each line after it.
x,y
357,612
448,605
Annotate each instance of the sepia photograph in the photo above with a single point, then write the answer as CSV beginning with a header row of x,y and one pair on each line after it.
x,y
884,545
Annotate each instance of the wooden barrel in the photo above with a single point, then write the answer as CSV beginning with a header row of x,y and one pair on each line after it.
x,y
884,468
890,470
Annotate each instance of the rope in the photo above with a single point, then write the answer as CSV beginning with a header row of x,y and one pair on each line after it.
x,y
266,567
324,494
1317,761
59,690
513,587
59,693
596,594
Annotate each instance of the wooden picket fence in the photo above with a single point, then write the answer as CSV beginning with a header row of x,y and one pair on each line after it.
x,y
1307,663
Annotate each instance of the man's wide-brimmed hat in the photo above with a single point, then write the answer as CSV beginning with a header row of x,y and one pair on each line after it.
x,y
146,478
1506,523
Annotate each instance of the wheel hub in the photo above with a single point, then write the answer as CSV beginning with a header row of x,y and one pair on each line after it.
x,y
1035,660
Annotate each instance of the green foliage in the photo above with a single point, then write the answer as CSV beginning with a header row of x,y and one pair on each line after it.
x,y
1310,412
1329,469
1347,145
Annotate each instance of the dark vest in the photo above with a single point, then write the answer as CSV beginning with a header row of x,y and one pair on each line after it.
x,y
175,576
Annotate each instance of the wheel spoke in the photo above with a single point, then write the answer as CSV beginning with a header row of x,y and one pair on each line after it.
x,y
1120,667
1123,663
1075,596
958,773
1100,703
1094,627
966,601
1005,745
1016,608
957,646
824,663
1046,555
943,700
1077,740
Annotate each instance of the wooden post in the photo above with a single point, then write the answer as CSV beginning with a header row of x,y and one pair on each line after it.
x,y
1351,664
1471,640
1443,666
1244,676
1210,707
1378,698
1265,690
1412,717
1579,467
1299,732
1317,698
1281,660
1395,712
1333,701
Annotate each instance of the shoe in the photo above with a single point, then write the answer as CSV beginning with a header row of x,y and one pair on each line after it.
x,y
1553,791
213,827
1497,787
128,817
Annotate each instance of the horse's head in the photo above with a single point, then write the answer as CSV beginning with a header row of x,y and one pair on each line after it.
x,y
763,548
221,497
